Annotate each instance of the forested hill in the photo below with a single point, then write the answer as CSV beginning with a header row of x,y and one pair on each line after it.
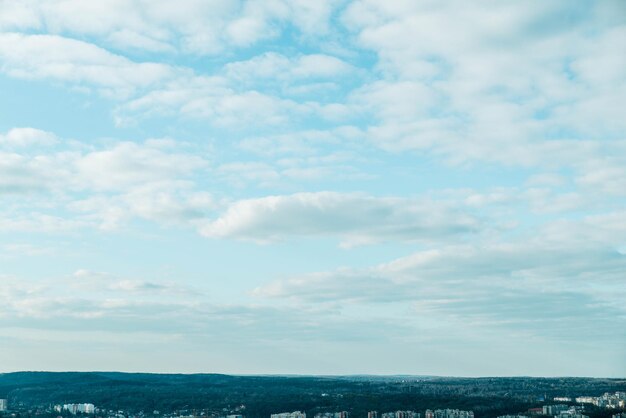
x,y
262,395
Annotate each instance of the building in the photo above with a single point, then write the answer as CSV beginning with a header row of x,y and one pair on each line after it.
x,y
448,413
608,400
562,399
513,416
408,414
554,409
372,414
401,414
86,408
3,405
83,408
572,413
295,414
342,414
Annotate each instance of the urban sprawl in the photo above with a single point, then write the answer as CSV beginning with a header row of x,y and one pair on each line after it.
x,y
615,400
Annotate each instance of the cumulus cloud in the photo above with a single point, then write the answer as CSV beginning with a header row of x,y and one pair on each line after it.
x,y
496,129
272,65
102,283
166,203
24,137
65,59
131,163
39,222
148,89
355,218
530,73
75,186
126,39
116,167
215,100
191,26
536,286
89,301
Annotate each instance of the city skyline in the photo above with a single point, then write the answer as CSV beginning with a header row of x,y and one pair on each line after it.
x,y
329,187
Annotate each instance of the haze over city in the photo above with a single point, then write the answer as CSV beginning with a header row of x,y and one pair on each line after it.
x,y
313,187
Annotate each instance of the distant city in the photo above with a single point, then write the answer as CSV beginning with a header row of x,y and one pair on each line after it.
x,y
142,395
611,401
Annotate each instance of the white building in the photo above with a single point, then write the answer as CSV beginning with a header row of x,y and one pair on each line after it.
x,y
407,414
83,408
342,414
86,408
554,409
587,399
401,414
3,404
572,413
608,400
448,413
295,414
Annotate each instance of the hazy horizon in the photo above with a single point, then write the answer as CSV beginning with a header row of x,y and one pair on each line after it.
x,y
353,375
328,187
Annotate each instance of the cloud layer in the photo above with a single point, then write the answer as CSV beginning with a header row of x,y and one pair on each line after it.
x,y
364,175
356,218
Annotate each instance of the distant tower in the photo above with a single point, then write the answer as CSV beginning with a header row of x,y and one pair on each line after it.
x,y
3,405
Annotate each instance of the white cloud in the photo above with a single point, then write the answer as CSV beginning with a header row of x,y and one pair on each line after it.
x,y
319,65
125,39
90,301
540,287
38,222
303,143
107,284
129,163
119,166
26,137
272,65
25,249
212,99
18,15
146,89
236,97
166,203
247,30
403,101
64,59
355,218
242,173
23,173
46,188
516,107
507,84
190,26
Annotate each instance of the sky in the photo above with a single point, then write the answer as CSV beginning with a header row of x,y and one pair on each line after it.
x,y
313,187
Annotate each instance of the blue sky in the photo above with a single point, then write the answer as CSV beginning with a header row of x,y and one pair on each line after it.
x,y
327,187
